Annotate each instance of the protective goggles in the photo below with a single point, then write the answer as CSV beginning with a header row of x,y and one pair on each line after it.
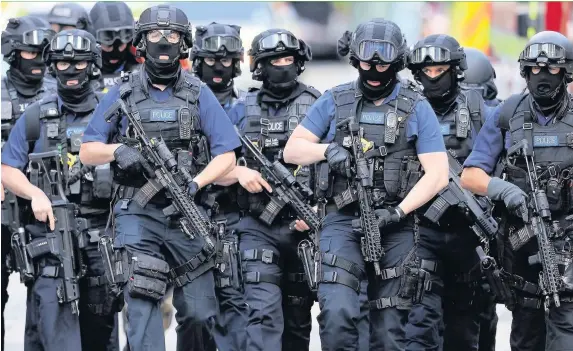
x,y
77,43
435,54
109,36
37,37
216,43
386,51
551,51
272,41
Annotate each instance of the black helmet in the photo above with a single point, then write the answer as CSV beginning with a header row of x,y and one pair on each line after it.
x,y
163,17
380,41
74,45
218,40
277,43
548,48
480,74
437,49
69,14
26,33
111,21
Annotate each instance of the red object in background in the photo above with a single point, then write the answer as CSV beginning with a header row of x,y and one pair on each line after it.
x,y
555,16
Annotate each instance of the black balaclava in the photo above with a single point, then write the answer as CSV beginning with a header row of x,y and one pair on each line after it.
x,y
27,83
387,79
80,97
548,90
441,91
279,81
162,71
223,90
114,54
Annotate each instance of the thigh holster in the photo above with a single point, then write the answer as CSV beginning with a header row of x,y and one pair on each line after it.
x,y
192,269
297,292
99,300
267,257
415,281
147,277
228,263
351,276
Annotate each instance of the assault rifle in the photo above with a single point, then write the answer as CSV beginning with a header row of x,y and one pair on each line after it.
x,y
286,190
538,216
476,210
371,242
162,173
63,241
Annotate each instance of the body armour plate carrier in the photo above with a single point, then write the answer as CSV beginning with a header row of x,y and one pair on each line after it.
x,y
551,144
88,186
14,105
270,133
461,125
392,159
175,120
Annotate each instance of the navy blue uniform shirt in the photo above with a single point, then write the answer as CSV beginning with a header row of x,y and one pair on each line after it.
x,y
422,126
213,120
490,142
16,150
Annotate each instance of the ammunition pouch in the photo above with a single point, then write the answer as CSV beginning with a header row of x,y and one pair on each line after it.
x,y
147,277
192,269
102,182
228,262
415,281
267,257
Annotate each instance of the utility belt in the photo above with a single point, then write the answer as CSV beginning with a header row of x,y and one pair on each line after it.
x,y
354,210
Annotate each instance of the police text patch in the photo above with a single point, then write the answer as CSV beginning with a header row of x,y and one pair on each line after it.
x,y
75,130
372,117
445,128
163,115
545,140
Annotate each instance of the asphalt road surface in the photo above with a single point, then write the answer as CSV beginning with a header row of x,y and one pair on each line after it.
x,y
320,75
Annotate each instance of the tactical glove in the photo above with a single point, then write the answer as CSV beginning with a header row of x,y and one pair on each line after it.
x,y
128,159
387,216
338,158
513,197
192,189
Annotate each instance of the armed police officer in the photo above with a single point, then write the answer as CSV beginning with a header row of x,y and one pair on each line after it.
x,y
63,255
217,55
376,133
274,288
529,138
480,76
68,15
112,25
177,112
22,44
439,63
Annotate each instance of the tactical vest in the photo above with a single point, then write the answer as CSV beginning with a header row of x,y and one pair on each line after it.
x,y
14,105
270,133
461,125
551,144
108,80
392,159
175,120
89,187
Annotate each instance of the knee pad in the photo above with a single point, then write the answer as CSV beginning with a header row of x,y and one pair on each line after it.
x,y
147,277
268,257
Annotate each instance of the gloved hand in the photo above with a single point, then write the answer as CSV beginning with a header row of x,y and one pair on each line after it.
x,y
338,158
128,159
387,216
513,197
192,189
